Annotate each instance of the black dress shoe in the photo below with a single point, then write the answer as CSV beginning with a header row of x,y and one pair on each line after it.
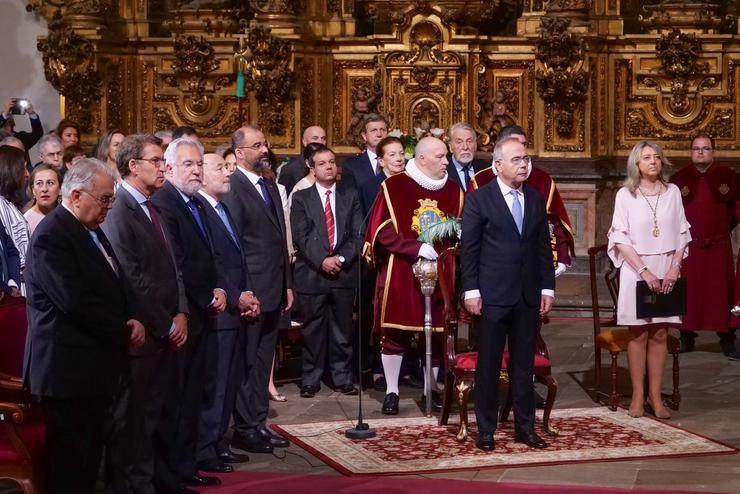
x,y
215,466
183,490
379,384
230,457
347,390
530,439
309,391
485,441
390,404
436,402
251,442
201,481
272,439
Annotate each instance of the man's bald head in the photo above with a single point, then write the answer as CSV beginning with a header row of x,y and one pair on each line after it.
x,y
431,157
314,133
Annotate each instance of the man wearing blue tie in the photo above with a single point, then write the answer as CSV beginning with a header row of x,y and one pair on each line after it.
x,y
508,279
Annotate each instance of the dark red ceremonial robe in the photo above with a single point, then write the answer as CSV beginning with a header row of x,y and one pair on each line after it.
x,y
391,243
561,238
710,202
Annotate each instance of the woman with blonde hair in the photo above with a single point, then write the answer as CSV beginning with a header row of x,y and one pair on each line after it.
x,y
648,240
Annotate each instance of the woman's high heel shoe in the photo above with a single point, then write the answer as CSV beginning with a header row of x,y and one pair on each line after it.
x,y
276,396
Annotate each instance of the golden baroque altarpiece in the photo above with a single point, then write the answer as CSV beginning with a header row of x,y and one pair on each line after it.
x,y
585,78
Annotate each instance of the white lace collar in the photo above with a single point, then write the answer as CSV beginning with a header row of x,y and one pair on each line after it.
x,y
421,179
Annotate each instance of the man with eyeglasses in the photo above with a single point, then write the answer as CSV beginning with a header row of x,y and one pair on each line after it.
x,y
710,199
462,164
508,279
81,324
144,249
183,216
256,208
51,151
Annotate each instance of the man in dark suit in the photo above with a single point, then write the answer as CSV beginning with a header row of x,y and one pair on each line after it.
x,y
325,219
10,266
144,250
509,280
462,164
257,210
80,326
183,216
295,169
227,333
364,166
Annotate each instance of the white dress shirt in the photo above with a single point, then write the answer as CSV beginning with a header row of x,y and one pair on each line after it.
x,y
253,178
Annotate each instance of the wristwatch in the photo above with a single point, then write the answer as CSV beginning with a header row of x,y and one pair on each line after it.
x,y
341,259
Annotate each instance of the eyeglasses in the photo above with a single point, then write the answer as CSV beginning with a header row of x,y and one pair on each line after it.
x,y
256,146
517,160
103,201
156,161
705,149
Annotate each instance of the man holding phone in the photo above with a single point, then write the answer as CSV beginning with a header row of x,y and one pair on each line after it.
x,y
19,106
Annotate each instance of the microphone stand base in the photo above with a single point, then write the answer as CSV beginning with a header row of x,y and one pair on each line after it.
x,y
360,431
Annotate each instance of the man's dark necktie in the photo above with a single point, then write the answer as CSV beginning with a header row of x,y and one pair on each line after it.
x,y
155,222
194,207
265,194
466,176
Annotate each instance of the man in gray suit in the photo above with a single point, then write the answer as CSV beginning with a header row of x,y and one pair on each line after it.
x,y
257,210
325,220
143,248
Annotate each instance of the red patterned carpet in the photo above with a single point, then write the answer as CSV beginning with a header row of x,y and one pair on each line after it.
x,y
419,445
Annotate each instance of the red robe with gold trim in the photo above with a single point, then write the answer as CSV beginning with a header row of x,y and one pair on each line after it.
x,y
391,243
563,246
710,200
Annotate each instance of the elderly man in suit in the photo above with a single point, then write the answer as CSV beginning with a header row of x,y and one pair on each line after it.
x,y
80,326
364,166
462,164
294,170
226,335
144,249
509,280
256,208
325,219
183,216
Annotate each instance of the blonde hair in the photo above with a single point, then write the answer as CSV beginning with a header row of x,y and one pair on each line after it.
x,y
633,170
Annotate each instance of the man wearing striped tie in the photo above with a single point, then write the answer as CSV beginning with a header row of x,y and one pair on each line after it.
x,y
325,221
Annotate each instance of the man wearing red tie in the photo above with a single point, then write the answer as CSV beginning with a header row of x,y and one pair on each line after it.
x,y
325,220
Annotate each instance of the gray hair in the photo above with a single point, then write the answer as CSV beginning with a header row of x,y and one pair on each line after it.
x,y
163,134
13,141
170,155
460,126
498,154
82,175
48,139
633,170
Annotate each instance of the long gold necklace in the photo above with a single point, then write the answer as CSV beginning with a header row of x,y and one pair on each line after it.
x,y
654,210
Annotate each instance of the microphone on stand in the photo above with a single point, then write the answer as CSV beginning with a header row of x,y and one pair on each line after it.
x,y
361,430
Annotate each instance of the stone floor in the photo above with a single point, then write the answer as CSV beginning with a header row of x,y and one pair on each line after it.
x,y
710,389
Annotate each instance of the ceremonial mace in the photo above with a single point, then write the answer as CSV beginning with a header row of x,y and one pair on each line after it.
x,y
426,272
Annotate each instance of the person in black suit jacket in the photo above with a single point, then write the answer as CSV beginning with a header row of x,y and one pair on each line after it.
x,y
10,266
294,170
462,164
364,166
508,278
144,249
256,207
80,327
183,216
226,335
325,219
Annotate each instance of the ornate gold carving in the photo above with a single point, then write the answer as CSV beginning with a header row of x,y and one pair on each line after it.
x,y
364,97
194,60
562,83
265,60
69,66
77,14
114,96
686,15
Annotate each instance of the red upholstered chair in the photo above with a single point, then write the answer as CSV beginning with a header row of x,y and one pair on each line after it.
x,y
15,460
461,366
612,338
28,425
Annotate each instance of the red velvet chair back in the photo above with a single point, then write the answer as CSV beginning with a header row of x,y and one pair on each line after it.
x,y
13,329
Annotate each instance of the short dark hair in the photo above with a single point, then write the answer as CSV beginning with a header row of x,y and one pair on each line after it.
x,y
72,152
372,117
131,148
65,124
183,130
312,149
12,174
380,148
705,136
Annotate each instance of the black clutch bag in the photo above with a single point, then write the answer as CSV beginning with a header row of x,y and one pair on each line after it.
x,y
650,304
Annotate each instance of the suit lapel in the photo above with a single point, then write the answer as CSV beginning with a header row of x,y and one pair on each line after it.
x,y
341,208
83,237
316,212
256,197
503,208
179,203
528,203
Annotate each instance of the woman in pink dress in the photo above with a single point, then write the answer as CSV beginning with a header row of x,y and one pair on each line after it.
x,y
648,240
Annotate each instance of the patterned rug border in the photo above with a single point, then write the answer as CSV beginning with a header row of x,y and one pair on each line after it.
x,y
333,426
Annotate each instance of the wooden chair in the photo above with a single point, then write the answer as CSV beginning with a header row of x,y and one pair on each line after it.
x,y
612,338
15,460
460,377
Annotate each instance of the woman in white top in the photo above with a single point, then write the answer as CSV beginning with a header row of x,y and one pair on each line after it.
x,y
45,186
13,175
648,240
